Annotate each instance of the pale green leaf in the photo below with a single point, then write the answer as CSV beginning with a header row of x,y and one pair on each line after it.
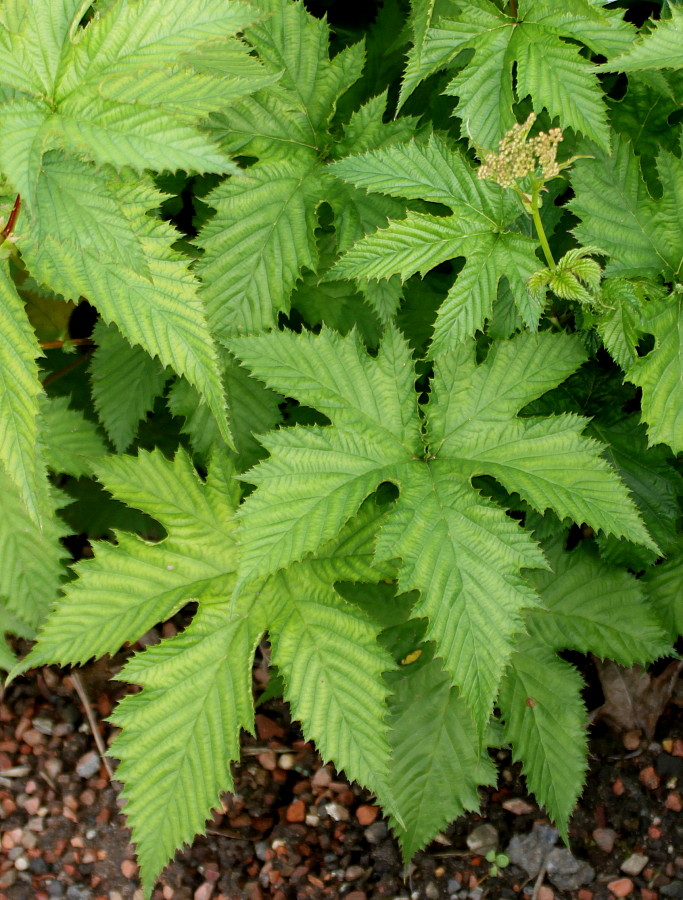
x,y
660,373
591,606
642,236
545,721
162,312
546,460
30,558
328,653
149,34
661,48
423,14
20,390
124,382
126,589
464,555
436,766
559,79
70,443
664,588
431,171
337,376
181,732
313,482
414,244
256,246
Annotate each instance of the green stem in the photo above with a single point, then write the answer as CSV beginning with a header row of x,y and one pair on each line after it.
x,y
540,231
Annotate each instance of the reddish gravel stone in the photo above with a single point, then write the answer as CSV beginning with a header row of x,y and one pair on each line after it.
x,y
647,894
585,894
356,895
267,760
605,838
649,778
621,888
654,833
366,815
674,801
296,812
267,729
129,869
677,747
546,893
618,787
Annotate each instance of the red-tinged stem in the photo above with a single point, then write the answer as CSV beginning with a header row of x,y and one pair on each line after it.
x,y
65,370
9,226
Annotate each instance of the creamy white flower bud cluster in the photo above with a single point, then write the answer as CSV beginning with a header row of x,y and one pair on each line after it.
x,y
519,156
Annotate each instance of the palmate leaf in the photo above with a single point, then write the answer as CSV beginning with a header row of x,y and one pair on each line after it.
x,y
156,307
567,87
86,230
444,532
590,606
269,219
181,733
423,15
659,48
664,588
31,568
642,236
660,373
436,762
20,390
594,607
436,173
184,725
545,721
125,382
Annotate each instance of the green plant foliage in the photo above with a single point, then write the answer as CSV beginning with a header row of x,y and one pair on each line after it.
x,y
366,340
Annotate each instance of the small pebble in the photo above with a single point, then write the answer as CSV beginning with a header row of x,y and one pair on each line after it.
x,y
337,812
621,888
632,740
518,806
88,765
21,863
129,868
634,865
431,891
546,893
375,833
605,839
483,838
287,761
366,814
296,812
204,891
353,873
649,778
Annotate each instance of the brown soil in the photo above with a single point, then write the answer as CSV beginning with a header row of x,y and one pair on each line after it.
x,y
295,829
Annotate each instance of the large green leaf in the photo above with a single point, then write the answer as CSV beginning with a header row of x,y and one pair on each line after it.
x,y
457,549
664,588
660,373
20,390
660,48
125,382
418,243
436,763
591,606
545,721
181,732
642,236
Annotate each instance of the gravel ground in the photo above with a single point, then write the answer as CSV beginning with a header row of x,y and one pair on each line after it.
x,y
295,829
